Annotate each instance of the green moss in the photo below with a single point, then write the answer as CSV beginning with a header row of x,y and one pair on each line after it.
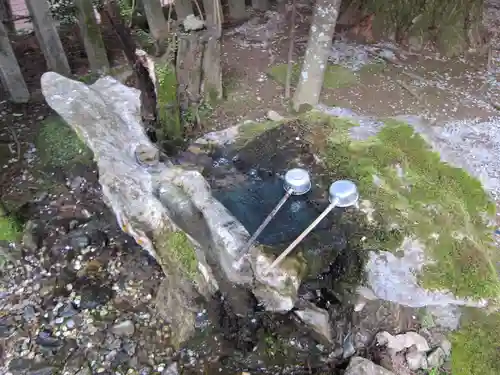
x,y
168,107
417,194
175,249
250,130
476,348
59,146
336,76
443,20
372,68
10,230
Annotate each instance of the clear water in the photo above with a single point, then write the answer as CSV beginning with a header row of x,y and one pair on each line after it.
x,y
252,201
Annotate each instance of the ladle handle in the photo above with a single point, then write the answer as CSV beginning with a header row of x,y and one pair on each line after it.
x,y
294,244
264,224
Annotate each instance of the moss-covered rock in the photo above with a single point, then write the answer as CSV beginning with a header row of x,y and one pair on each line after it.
x,y
476,348
59,146
450,25
336,76
418,195
176,249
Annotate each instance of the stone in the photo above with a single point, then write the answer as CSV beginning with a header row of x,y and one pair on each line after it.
x,y
125,328
403,341
446,346
193,23
416,360
436,358
393,278
274,116
362,366
317,319
172,369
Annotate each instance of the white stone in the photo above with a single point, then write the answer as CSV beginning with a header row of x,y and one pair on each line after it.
x,y
274,116
416,360
436,358
362,366
403,341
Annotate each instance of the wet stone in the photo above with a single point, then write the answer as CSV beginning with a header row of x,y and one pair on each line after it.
x,y
93,296
44,370
125,328
79,241
19,366
68,311
47,341
29,313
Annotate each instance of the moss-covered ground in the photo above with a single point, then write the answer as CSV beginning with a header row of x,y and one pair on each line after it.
x,y
59,146
336,76
476,348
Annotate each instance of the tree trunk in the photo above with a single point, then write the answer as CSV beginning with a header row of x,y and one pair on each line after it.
x,y
146,85
213,13
6,16
318,49
157,23
92,37
237,9
212,71
183,8
261,5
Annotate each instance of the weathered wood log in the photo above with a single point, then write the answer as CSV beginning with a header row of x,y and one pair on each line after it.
x,y
10,74
237,9
146,85
6,16
47,36
189,68
92,37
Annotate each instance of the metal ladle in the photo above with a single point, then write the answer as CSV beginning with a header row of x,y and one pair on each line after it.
x,y
297,182
342,193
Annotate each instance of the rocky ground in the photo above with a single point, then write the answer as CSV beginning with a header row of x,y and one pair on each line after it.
x,y
78,297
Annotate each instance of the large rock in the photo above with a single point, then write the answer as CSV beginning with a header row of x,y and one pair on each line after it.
x,y
362,366
168,210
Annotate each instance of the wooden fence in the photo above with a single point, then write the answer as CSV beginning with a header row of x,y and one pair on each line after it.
x,y
49,42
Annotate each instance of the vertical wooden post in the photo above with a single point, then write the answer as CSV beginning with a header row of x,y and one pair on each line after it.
x,y
237,9
212,71
213,13
183,8
92,37
10,73
6,16
261,5
156,20
47,36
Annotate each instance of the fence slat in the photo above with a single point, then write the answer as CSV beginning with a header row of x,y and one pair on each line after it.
x,y
10,73
92,37
47,36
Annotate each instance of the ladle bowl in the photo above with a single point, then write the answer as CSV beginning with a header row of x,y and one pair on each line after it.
x,y
297,181
343,193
